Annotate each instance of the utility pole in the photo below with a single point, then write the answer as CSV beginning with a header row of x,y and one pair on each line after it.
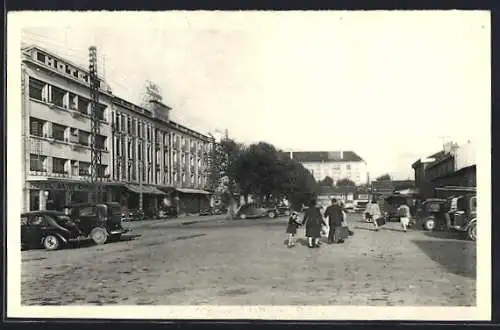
x,y
96,152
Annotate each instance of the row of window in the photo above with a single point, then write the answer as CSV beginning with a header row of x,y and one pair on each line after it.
x,y
133,126
140,149
40,163
65,68
336,167
43,128
44,92
129,173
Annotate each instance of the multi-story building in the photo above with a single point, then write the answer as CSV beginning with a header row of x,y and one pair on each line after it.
x,y
164,159
56,130
144,153
453,166
337,165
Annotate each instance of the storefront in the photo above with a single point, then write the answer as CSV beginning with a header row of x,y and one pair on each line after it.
x,y
191,201
152,198
54,195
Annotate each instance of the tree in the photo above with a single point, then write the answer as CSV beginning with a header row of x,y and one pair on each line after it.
x,y
383,177
261,170
326,182
346,183
221,179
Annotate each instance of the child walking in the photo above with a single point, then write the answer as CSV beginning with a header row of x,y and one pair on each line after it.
x,y
291,229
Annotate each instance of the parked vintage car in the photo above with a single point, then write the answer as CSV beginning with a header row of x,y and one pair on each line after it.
x,y
49,229
283,210
349,206
101,222
433,211
391,204
252,211
359,206
462,215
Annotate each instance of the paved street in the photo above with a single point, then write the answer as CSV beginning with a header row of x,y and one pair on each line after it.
x,y
225,262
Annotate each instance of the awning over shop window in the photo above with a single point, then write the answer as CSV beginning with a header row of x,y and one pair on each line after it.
x,y
145,189
192,191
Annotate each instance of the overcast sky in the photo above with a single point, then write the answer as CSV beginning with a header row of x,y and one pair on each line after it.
x,y
387,85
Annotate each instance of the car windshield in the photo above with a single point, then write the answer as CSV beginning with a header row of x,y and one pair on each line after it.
x,y
62,218
433,207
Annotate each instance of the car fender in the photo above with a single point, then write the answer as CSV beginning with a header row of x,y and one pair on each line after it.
x,y
61,237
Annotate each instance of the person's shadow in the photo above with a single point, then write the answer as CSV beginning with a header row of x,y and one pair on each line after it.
x,y
303,241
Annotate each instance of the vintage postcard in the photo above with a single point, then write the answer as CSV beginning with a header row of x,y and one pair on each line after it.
x,y
302,165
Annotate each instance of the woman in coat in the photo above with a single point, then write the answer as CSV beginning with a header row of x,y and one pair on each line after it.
x,y
314,221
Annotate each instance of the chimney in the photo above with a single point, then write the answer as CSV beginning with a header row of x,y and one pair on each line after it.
x,y
341,154
159,110
291,154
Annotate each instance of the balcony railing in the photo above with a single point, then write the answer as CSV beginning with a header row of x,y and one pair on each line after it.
x,y
62,174
78,146
40,172
77,113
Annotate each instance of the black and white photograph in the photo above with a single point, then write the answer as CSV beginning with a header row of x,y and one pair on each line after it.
x,y
294,165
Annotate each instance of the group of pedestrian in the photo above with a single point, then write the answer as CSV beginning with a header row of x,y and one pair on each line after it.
x,y
314,221
374,215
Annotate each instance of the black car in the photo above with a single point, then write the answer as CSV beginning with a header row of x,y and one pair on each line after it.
x,y
391,205
100,221
253,211
283,210
49,229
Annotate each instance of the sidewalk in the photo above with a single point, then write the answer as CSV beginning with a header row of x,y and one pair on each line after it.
x,y
179,221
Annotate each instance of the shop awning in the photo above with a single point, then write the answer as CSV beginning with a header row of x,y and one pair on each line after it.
x,y
145,189
192,191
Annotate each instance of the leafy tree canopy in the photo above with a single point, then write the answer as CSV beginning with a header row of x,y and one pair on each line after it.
x,y
383,177
346,183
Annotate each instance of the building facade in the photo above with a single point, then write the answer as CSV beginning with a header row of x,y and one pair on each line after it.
x,y
56,130
455,166
168,162
144,154
337,165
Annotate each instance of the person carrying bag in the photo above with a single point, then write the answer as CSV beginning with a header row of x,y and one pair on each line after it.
x,y
373,212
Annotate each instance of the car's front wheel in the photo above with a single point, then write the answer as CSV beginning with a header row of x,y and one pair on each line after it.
x,y
472,231
271,214
51,242
243,216
429,224
99,235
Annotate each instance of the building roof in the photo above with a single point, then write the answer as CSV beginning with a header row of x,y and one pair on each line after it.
x,y
325,156
383,187
336,190
438,156
30,47
403,184
116,99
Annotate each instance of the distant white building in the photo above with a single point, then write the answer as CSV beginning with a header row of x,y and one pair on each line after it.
x,y
337,165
